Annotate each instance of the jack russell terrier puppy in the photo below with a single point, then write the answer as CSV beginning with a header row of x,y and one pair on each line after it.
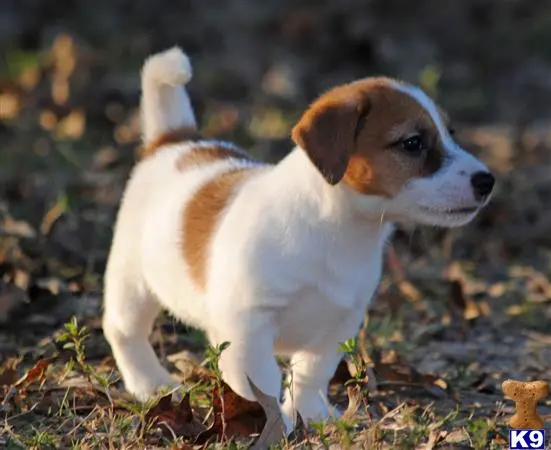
x,y
275,259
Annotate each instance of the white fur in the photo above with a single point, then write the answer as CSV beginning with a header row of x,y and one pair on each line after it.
x,y
165,105
292,265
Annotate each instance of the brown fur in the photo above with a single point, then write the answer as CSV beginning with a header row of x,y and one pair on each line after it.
x,y
349,131
204,155
201,216
175,136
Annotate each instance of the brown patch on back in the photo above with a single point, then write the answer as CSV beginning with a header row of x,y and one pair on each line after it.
x,y
201,216
175,136
353,133
206,154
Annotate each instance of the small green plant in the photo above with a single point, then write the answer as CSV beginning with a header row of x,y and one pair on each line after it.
x,y
17,61
212,358
350,349
345,429
41,439
74,338
319,428
478,430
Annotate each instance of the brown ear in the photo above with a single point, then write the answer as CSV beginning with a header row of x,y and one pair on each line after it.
x,y
327,133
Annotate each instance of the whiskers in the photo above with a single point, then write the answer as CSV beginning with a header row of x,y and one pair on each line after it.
x,y
382,218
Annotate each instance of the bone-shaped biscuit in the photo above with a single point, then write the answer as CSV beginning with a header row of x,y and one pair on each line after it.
x,y
526,396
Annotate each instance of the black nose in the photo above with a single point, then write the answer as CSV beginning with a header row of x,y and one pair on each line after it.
x,y
483,183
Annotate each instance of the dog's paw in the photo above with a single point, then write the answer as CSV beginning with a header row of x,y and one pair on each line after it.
x,y
311,409
145,389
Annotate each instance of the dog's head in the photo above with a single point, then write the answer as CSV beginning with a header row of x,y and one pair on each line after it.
x,y
388,139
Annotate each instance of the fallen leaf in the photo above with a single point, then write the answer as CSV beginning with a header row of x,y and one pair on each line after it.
x,y
35,373
397,372
233,416
457,436
187,363
175,419
435,436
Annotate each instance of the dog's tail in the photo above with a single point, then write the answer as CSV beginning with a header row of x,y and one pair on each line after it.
x,y
165,104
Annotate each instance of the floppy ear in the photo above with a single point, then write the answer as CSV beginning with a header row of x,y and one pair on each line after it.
x,y
327,133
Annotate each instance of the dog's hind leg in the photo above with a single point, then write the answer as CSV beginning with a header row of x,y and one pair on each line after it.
x,y
130,312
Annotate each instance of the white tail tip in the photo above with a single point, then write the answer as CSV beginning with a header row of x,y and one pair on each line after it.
x,y
165,104
170,67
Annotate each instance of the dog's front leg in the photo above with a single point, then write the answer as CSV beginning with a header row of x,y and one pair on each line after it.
x,y
310,373
251,354
307,383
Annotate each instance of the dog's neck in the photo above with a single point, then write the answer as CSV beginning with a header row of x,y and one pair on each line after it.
x,y
299,178
336,227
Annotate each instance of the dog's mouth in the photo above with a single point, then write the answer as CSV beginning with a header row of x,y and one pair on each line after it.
x,y
451,211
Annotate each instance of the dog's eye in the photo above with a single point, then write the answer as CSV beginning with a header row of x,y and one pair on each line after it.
x,y
413,144
451,131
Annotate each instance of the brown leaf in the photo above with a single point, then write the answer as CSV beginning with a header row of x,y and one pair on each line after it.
x,y
398,372
241,416
175,419
435,437
35,373
233,415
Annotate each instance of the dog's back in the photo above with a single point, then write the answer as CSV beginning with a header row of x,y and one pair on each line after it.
x,y
151,233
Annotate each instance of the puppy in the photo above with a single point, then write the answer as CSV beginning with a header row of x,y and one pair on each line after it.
x,y
275,259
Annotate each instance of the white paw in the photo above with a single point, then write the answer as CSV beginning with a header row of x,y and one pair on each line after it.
x,y
144,389
313,408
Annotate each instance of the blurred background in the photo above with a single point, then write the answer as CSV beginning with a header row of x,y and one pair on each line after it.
x,y
473,304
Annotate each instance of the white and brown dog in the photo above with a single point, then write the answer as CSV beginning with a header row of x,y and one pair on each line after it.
x,y
276,259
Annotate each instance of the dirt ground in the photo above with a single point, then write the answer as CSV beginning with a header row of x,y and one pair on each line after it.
x,y
458,311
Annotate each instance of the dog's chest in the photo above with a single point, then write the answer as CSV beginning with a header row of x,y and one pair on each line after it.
x,y
332,300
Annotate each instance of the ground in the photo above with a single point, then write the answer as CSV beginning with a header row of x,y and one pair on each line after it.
x,y
458,311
